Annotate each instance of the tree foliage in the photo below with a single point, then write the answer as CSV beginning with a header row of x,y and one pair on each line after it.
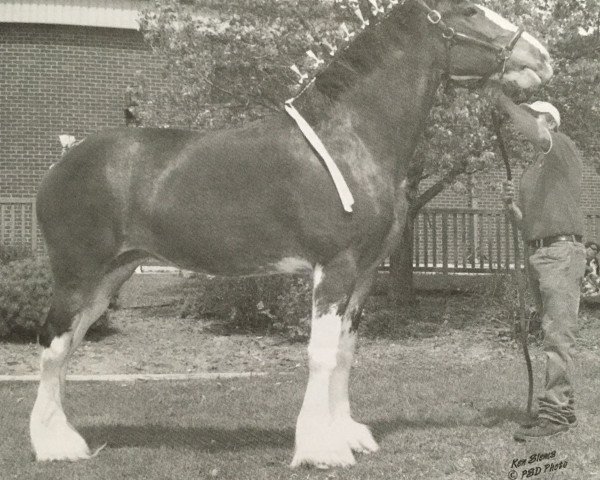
x,y
229,62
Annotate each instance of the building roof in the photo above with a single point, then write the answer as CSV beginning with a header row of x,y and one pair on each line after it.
x,y
90,13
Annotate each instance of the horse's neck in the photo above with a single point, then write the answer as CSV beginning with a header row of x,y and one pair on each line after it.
x,y
394,106
387,109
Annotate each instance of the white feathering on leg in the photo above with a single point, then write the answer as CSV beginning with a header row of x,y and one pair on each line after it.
x,y
52,437
357,435
318,442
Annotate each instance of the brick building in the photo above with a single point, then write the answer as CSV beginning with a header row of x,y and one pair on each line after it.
x,y
65,67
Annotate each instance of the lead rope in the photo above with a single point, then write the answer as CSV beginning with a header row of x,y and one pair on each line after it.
x,y
521,285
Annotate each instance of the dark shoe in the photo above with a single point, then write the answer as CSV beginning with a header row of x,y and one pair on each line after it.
x,y
532,422
542,428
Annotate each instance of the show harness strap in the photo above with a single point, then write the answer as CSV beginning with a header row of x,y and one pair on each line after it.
x,y
314,140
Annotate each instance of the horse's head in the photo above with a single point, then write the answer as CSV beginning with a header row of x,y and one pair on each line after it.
x,y
479,43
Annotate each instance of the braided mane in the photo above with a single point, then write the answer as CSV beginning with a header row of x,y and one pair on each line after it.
x,y
364,53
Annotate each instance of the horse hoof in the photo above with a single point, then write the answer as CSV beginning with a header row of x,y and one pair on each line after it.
x,y
63,443
319,444
323,459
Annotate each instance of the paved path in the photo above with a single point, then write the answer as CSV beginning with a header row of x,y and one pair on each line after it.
x,y
138,377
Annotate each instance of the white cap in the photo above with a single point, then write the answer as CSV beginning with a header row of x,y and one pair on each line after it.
x,y
544,107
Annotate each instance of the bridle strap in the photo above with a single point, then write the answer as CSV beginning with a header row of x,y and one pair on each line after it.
x,y
451,37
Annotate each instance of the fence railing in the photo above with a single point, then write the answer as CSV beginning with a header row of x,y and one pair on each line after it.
x,y
18,224
445,240
462,240
471,240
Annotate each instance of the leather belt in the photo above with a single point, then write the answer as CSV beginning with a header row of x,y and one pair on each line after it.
x,y
544,242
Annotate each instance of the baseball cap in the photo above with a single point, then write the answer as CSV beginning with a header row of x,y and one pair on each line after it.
x,y
543,107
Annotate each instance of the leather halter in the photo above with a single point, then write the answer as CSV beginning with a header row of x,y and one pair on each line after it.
x,y
451,37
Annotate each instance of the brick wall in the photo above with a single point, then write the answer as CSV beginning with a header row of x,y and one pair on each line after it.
x,y
488,195
60,80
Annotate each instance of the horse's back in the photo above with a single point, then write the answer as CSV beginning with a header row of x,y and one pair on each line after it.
x,y
251,196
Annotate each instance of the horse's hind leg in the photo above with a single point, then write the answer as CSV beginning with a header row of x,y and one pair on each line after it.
x,y
325,431
74,310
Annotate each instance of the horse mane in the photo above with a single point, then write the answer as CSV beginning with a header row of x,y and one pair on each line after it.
x,y
364,53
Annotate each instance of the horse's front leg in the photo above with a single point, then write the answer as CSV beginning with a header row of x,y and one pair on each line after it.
x,y
325,432
357,435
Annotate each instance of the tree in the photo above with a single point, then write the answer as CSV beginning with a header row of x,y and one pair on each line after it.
x,y
229,62
457,144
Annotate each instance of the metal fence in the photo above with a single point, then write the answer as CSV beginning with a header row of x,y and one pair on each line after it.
x,y
18,224
462,240
471,240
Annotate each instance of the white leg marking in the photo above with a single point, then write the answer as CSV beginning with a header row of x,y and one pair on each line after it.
x,y
357,435
318,442
317,276
52,437
293,265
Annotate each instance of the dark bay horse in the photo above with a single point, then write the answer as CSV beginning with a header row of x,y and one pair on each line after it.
x,y
258,200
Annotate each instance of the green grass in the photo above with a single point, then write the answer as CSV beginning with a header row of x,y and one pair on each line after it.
x,y
434,419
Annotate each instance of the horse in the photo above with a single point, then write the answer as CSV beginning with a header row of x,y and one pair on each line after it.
x,y
257,200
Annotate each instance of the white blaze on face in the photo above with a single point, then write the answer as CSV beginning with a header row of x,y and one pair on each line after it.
x,y
511,27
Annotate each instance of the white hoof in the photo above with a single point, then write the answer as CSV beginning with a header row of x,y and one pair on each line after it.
x,y
57,440
320,445
357,435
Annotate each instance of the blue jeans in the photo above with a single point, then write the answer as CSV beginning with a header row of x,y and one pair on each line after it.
x,y
555,274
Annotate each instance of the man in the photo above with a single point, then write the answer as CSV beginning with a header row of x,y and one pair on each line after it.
x,y
551,220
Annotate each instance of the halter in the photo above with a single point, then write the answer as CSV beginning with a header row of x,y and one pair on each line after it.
x,y
451,37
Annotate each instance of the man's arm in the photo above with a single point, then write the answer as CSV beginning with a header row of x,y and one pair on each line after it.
x,y
525,123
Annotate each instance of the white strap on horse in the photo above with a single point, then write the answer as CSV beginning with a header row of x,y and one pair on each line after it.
x,y
310,135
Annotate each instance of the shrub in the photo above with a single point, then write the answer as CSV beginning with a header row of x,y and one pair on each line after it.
x,y
280,303
502,291
10,253
25,290
25,295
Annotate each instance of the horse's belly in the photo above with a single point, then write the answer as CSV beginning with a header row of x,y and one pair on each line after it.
x,y
224,246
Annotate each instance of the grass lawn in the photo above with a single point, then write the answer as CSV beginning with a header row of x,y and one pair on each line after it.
x,y
443,405
433,419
